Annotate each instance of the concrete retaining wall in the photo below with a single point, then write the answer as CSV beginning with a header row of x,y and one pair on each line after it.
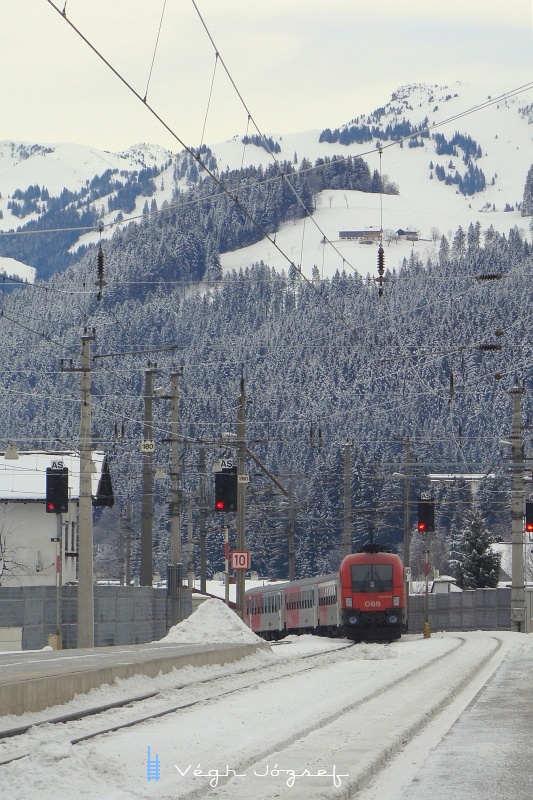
x,y
122,614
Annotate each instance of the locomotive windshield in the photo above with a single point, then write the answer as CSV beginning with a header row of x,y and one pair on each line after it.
x,y
371,577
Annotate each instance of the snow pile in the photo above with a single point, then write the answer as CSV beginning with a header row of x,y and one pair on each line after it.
x,y
212,623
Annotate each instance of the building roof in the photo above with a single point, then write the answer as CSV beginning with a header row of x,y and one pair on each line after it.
x,y
24,478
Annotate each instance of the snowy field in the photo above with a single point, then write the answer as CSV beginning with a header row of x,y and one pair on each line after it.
x,y
305,718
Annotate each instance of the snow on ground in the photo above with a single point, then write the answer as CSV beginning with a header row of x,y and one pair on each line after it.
x,y
502,130
212,623
12,268
259,729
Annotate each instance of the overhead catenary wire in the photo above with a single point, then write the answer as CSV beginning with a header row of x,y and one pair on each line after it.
x,y
209,101
155,49
196,156
467,112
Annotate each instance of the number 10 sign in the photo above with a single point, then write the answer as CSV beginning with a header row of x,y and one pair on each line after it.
x,y
240,559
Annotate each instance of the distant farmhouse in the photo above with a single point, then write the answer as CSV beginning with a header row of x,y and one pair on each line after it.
x,y
372,235
364,237
410,236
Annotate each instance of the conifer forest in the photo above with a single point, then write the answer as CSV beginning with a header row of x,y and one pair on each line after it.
x,y
325,363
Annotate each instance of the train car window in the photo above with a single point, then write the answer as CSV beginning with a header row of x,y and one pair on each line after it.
x,y
371,577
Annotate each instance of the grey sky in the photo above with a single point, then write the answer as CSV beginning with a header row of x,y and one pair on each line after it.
x,y
298,64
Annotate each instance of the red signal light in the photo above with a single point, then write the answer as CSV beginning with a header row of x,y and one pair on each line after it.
x,y
50,506
220,505
529,516
422,526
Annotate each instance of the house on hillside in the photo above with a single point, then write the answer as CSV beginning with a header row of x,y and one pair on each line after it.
x,y
364,237
29,549
409,236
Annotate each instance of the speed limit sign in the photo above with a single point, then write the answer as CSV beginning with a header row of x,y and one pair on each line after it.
x,y
240,559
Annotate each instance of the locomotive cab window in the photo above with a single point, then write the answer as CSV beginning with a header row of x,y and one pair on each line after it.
x,y
371,577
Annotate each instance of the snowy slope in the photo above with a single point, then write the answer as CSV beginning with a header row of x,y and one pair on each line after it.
x,y
502,129
12,268
64,165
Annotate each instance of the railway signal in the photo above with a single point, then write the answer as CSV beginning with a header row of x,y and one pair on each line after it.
x,y
226,490
529,517
56,490
426,515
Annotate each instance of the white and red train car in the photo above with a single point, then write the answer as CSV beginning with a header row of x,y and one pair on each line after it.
x,y
363,601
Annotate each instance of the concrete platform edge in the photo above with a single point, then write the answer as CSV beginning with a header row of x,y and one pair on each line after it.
x,y
35,694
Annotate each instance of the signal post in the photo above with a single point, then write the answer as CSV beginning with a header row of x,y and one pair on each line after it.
x,y
230,489
57,503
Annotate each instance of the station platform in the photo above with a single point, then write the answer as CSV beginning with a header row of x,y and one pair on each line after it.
x,y
486,753
34,680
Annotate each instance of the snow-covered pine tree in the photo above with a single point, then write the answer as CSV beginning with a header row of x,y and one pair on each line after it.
x,y
527,204
474,564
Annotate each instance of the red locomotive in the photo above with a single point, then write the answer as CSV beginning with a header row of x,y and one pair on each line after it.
x,y
364,601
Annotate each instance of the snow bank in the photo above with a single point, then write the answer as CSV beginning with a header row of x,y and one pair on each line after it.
x,y
212,623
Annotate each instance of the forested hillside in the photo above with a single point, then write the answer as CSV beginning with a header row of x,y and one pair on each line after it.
x,y
325,362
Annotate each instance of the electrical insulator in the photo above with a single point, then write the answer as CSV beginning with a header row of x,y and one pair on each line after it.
x,y
489,276
381,260
100,283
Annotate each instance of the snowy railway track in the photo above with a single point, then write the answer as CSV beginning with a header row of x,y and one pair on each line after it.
x,y
372,730
129,704
328,724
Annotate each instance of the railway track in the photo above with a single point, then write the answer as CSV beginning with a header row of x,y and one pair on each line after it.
x,y
372,728
130,704
332,709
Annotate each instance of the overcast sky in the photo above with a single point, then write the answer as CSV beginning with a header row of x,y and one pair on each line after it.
x,y
298,64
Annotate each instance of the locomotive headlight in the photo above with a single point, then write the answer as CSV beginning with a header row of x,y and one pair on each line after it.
x,y
395,602
349,601
393,620
353,620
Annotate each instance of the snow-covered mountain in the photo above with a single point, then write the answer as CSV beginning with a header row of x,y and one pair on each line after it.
x,y
66,166
495,138
424,203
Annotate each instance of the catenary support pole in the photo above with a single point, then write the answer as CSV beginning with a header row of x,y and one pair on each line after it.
x,y
347,520
85,530
203,512
147,505
407,525
176,566
518,595
241,494
292,549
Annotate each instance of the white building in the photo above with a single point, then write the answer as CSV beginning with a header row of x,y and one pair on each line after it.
x,y
28,550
